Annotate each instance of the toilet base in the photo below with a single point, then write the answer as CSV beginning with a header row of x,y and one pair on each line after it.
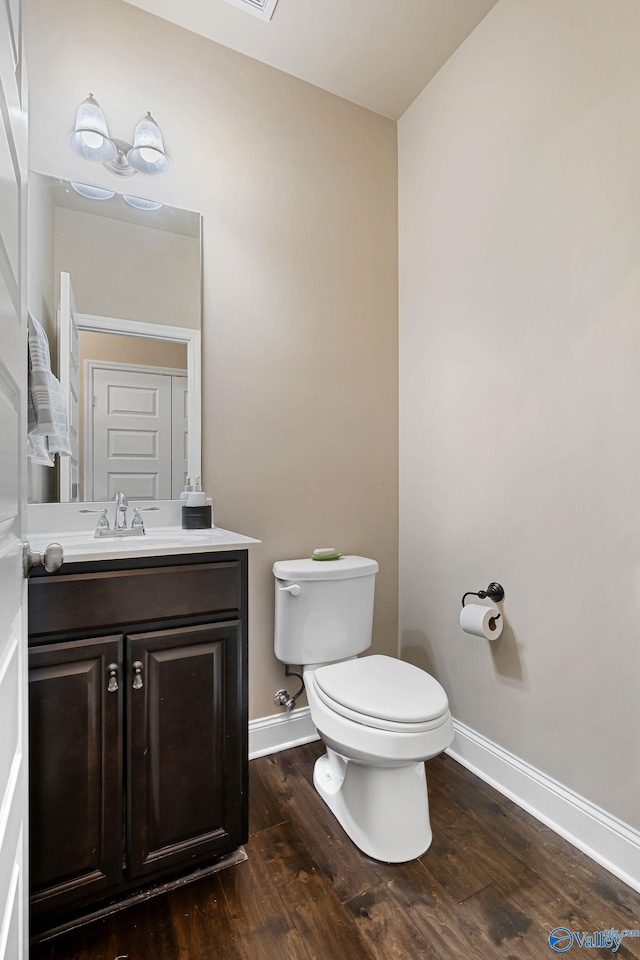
x,y
384,810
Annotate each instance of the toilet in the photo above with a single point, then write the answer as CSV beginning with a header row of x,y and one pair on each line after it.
x,y
379,718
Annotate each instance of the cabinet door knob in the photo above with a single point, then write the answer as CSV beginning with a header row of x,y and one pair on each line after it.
x,y
137,674
112,673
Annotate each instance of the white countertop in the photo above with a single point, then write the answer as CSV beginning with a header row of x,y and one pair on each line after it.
x,y
158,542
63,523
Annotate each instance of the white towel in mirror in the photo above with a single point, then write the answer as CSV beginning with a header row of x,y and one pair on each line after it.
x,y
48,426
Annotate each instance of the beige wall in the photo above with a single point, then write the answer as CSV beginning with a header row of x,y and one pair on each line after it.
x,y
520,385
128,271
114,348
298,190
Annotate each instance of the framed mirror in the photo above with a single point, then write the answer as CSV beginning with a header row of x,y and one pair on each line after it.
x,y
115,285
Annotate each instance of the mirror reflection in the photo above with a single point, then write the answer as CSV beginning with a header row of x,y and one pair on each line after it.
x,y
114,300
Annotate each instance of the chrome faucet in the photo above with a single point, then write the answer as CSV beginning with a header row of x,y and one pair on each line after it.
x,y
120,522
120,528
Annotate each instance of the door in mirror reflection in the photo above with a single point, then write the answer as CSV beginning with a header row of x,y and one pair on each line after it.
x,y
134,419
136,432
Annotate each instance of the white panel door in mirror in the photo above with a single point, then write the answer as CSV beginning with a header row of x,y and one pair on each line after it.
x,y
137,434
131,435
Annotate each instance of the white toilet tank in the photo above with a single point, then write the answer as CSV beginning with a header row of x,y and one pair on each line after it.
x,y
331,615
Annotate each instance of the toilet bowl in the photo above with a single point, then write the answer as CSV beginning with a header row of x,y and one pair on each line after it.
x,y
372,777
379,718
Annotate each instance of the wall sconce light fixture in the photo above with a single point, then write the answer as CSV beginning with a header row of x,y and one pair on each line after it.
x,y
90,138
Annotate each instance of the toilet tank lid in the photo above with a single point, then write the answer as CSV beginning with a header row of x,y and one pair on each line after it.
x,y
343,569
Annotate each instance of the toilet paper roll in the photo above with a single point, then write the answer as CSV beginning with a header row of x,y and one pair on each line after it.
x,y
481,621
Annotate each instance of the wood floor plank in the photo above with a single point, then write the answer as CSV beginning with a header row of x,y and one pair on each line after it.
x,y
430,908
264,809
447,818
149,931
504,866
459,872
289,775
97,939
499,820
387,927
564,887
551,910
264,927
204,929
544,896
326,927
500,928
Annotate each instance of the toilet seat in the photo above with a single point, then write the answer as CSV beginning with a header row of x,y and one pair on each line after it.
x,y
383,693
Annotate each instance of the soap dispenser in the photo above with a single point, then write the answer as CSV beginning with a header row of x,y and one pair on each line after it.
x,y
196,512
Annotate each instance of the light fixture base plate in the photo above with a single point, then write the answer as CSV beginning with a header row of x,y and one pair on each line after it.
x,y
121,166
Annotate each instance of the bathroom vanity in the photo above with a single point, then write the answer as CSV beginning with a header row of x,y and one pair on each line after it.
x,y
137,644
138,720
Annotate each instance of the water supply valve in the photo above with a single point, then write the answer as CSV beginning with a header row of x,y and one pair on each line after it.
x,y
282,698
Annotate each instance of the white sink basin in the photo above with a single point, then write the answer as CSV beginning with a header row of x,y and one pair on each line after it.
x,y
153,542
150,541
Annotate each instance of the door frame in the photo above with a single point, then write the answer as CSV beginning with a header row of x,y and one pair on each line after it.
x,y
160,331
14,800
90,366
68,334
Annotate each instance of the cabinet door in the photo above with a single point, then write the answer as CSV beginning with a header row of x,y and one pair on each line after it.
x,y
187,746
76,789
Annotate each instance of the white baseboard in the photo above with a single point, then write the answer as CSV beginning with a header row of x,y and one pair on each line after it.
x,y
607,840
280,732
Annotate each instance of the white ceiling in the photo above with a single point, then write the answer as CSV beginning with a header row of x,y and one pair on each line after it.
x,y
377,53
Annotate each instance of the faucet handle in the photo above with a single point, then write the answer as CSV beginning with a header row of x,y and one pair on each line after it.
x,y
103,523
137,519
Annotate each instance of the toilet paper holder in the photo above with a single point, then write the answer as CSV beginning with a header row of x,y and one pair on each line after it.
x,y
495,592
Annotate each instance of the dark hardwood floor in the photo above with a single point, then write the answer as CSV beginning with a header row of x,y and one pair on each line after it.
x,y
494,883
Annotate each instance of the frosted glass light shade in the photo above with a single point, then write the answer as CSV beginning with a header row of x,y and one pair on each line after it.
x,y
90,138
147,153
92,193
141,204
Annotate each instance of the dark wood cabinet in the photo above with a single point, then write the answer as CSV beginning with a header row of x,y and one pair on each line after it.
x,y
138,737
183,711
75,745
